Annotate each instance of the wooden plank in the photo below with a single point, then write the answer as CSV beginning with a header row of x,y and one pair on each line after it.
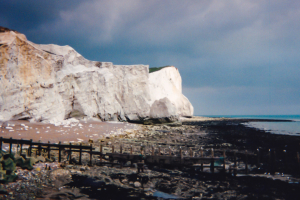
x,y
59,153
39,148
48,149
10,146
21,148
28,142
70,153
212,167
78,150
30,148
246,162
91,155
224,161
80,154
234,160
201,157
101,150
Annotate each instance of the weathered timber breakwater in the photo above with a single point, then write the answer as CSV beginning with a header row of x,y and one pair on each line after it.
x,y
117,179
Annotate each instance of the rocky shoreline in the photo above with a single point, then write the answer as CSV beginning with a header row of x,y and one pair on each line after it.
x,y
104,182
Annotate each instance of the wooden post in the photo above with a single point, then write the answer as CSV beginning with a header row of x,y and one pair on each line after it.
x,y
30,146
152,150
113,149
49,149
180,154
246,162
258,158
273,166
120,148
224,163
1,143
101,150
70,153
131,151
91,154
80,153
10,145
270,161
59,152
21,147
212,162
191,152
212,166
285,160
234,160
202,160
39,148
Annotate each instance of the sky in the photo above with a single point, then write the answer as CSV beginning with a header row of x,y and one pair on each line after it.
x,y
235,57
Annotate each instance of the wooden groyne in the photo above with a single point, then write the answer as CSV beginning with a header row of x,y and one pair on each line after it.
x,y
225,160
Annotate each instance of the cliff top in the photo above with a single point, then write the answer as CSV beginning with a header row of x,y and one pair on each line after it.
x,y
4,29
154,69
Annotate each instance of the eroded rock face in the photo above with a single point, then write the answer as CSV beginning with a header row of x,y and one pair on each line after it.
x,y
27,80
165,88
52,83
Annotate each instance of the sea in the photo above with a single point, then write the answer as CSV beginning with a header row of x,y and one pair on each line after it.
x,y
286,128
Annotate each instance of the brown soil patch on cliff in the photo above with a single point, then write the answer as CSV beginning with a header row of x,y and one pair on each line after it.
x,y
3,29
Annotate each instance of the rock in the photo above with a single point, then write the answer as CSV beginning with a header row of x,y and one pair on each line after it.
x,y
40,158
60,173
52,83
137,184
175,124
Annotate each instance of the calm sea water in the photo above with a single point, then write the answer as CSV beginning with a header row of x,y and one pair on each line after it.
x,y
289,128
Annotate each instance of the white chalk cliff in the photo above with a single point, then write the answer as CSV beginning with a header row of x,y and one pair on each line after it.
x,y
52,83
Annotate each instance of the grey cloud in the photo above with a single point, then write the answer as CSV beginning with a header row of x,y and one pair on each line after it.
x,y
237,44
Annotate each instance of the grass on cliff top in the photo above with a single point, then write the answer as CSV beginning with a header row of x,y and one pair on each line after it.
x,y
154,69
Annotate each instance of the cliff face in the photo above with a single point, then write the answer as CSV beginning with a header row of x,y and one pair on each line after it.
x,y
165,89
52,83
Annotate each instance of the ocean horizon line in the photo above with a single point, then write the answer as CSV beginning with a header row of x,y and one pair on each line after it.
x,y
290,117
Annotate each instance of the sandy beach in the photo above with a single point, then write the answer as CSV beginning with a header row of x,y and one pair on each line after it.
x,y
70,132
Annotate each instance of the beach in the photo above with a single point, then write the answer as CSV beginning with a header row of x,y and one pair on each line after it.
x,y
71,181
70,131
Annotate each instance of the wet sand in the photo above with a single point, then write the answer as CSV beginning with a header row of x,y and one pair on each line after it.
x,y
73,132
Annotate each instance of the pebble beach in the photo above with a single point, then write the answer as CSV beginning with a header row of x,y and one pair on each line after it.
x,y
53,180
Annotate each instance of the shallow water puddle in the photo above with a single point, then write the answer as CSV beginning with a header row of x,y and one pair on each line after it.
x,y
164,195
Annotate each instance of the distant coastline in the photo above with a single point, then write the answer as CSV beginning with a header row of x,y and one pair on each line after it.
x,y
276,124
279,117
